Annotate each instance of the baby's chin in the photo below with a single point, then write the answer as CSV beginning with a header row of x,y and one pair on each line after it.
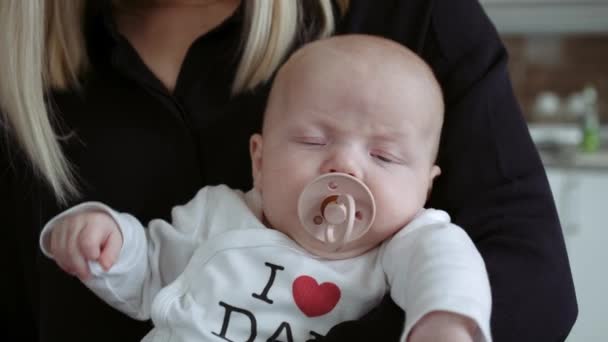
x,y
313,246
350,250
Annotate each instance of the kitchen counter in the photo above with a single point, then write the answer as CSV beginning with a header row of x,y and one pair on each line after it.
x,y
558,145
575,159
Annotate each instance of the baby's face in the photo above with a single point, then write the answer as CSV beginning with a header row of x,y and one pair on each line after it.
x,y
364,121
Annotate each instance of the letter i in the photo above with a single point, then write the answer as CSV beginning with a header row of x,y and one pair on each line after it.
x,y
264,295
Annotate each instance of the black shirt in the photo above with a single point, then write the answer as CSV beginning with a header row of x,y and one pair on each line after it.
x,y
143,150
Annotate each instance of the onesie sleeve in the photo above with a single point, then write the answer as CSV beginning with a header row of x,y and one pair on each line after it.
x,y
432,265
149,258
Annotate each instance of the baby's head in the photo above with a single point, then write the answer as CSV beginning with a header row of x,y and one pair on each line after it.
x,y
359,105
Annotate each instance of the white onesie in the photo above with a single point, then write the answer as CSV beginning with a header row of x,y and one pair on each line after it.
x,y
216,273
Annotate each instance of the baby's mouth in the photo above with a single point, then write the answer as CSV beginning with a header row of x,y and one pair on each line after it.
x,y
336,209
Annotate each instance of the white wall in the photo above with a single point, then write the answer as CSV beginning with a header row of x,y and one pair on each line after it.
x,y
582,203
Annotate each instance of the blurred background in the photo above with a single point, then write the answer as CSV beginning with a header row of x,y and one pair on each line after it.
x,y
559,67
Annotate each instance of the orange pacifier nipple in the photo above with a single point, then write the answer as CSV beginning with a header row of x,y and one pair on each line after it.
x,y
336,208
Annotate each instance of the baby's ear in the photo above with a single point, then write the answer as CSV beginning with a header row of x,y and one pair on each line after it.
x,y
435,171
255,152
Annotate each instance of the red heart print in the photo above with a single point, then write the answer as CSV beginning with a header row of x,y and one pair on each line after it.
x,y
314,299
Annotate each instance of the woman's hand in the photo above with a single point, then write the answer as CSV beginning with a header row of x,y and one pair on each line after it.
x,y
443,326
83,237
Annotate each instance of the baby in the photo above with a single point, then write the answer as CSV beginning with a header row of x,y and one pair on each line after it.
x,y
335,220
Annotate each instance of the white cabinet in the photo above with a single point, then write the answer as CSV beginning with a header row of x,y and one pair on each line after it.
x,y
548,16
581,199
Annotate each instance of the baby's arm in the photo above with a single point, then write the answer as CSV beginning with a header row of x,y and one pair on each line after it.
x,y
438,277
148,259
115,269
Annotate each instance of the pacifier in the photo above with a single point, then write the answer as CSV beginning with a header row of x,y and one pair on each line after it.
x,y
336,208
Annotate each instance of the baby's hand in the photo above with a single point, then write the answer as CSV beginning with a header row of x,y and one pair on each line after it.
x,y
442,326
81,237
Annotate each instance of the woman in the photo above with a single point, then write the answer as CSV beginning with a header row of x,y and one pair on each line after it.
x,y
140,103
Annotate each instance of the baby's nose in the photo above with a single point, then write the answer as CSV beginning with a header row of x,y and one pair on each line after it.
x,y
343,163
341,171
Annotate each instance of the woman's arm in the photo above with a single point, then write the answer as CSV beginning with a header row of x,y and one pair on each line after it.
x,y
493,183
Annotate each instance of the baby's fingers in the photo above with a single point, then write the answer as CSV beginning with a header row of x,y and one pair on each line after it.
x,y
77,261
111,249
91,240
101,242
82,237
60,239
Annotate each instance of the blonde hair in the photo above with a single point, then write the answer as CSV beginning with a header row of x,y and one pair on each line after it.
x,y
43,47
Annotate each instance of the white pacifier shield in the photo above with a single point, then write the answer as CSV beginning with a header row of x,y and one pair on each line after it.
x,y
331,203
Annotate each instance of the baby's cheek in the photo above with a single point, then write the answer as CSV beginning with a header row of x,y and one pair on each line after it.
x,y
394,215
